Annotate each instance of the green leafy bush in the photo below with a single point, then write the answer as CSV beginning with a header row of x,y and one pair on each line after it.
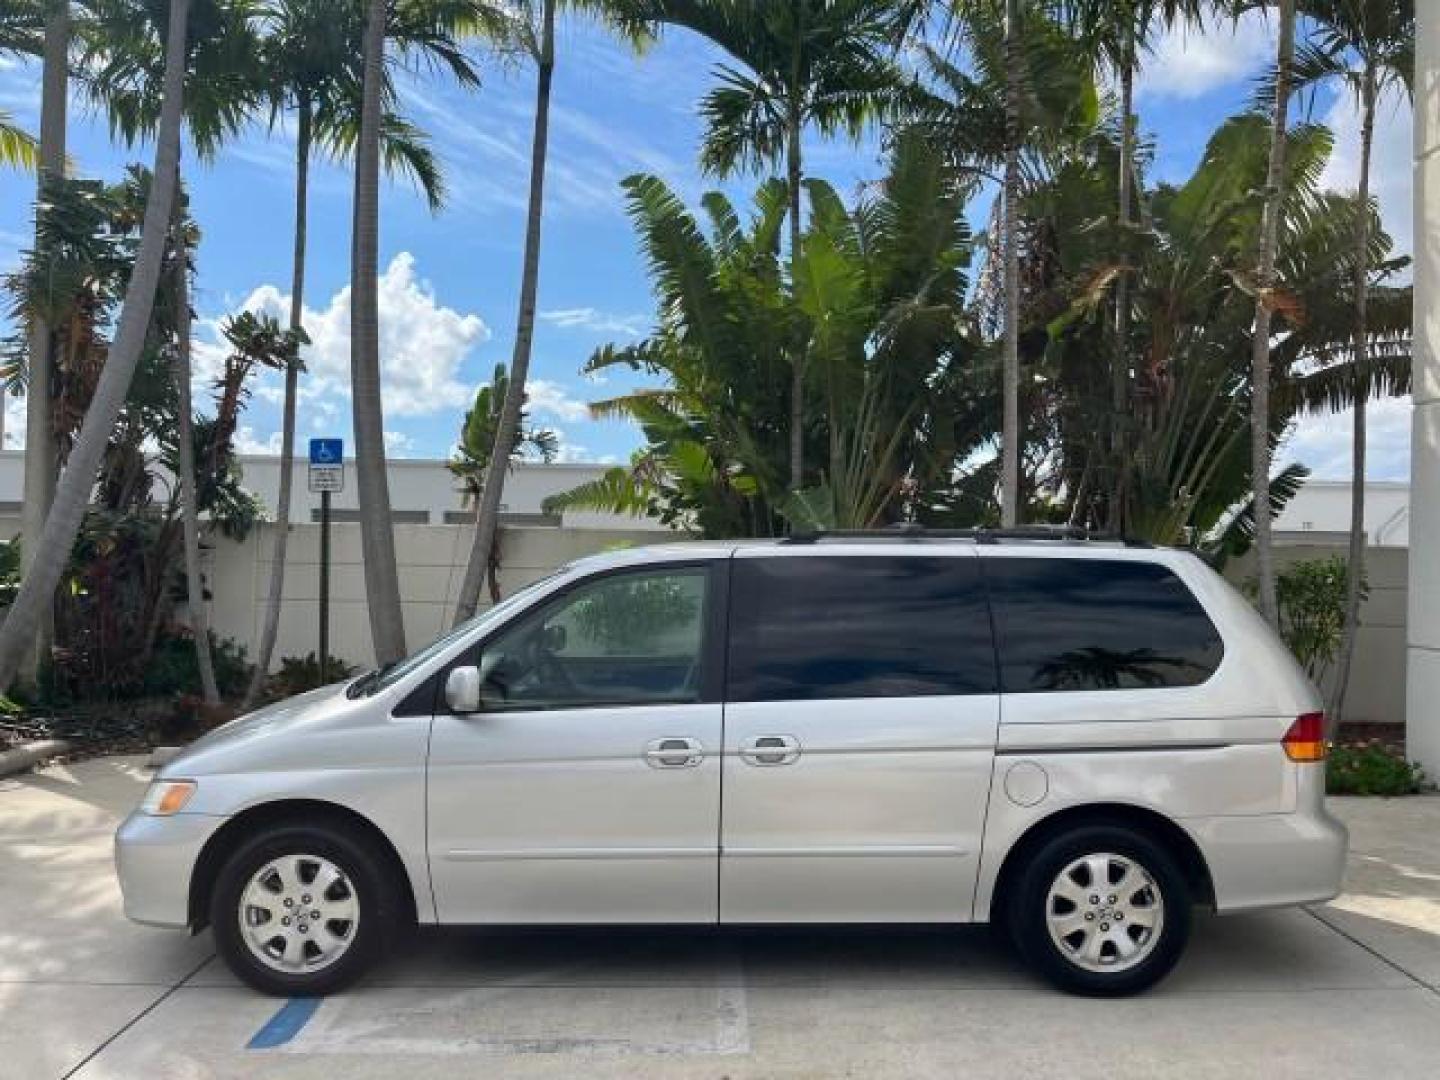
x,y
174,670
1311,597
298,674
1371,768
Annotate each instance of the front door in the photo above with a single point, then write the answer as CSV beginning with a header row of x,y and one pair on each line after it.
x,y
860,730
587,789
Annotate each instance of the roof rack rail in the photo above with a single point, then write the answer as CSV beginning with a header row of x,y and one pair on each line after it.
x,y
912,531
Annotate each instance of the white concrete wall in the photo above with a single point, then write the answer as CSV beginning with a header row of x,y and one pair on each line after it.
x,y
431,563
1422,717
1377,677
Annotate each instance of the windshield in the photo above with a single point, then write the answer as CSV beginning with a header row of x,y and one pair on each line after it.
x,y
389,674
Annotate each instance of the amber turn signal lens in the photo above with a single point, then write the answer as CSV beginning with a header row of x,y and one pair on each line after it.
x,y
167,797
1305,741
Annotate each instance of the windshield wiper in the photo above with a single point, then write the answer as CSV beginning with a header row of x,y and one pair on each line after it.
x,y
365,682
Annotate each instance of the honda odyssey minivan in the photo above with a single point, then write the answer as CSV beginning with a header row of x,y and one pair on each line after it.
x,y
1077,740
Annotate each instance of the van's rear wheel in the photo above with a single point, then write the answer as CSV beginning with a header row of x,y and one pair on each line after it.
x,y
1102,910
302,911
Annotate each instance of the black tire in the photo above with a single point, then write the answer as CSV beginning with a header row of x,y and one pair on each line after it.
x,y
368,880
1028,918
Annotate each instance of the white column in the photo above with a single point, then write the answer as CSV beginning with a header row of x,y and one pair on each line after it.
x,y
1422,711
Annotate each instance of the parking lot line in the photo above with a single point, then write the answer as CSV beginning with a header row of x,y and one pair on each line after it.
x,y
287,1022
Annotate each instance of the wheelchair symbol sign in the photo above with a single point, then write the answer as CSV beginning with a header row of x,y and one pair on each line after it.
x,y
327,452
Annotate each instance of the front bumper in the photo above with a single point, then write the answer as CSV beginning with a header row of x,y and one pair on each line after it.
x,y
154,860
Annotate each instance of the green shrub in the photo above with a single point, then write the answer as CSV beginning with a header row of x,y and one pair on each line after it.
x,y
173,668
298,674
1370,768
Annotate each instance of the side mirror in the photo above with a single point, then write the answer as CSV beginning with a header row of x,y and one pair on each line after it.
x,y
462,689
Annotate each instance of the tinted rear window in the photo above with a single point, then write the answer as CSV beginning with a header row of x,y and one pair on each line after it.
x,y
858,627
1090,624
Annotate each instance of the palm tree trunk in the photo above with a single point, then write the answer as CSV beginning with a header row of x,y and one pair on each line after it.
x,y
271,628
1120,365
189,492
40,459
72,496
794,172
508,425
377,534
1355,564
1260,345
1010,361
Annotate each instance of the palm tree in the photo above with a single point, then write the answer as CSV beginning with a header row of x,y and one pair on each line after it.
x,y
471,461
39,438
309,51
18,150
824,64
1027,96
437,22
1260,433
1010,192
1117,33
1368,46
123,56
22,31
538,41
377,539
17,633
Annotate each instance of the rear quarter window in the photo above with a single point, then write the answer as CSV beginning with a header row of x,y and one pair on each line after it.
x,y
1093,624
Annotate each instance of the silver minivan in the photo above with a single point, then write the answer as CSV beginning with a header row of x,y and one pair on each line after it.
x,y
1077,740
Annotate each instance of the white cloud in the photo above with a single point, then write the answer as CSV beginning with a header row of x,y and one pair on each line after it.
x,y
1391,166
575,453
1189,61
422,344
247,442
601,322
545,398
397,442
1323,442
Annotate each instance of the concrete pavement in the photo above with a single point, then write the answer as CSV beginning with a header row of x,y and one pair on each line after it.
x,y
1351,989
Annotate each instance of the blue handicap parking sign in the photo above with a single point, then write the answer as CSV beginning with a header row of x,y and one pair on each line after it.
x,y
327,451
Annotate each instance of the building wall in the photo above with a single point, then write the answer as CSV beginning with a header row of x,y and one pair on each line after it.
x,y
1377,676
431,563
1322,508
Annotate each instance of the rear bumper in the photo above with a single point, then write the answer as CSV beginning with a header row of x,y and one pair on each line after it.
x,y
1272,860
154,860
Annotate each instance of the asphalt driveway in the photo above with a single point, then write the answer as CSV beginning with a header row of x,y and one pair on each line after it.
x,y
1349,989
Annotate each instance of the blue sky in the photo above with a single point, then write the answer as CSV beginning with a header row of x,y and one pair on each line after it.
x,y
449,281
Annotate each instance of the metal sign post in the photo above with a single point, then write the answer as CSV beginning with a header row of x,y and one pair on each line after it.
x,y
327,475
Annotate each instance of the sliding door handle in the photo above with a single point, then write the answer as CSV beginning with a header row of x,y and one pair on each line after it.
x,y
770,750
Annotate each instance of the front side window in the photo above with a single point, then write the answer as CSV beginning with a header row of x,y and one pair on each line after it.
x,y
631,638
1093,624
815,627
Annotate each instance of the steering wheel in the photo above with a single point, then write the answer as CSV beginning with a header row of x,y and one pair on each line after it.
x,y
553,677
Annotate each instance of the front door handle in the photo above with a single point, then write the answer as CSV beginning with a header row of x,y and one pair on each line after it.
x,y
674,752
770,750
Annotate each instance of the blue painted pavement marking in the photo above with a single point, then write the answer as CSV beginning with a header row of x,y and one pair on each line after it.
x,y
287,1022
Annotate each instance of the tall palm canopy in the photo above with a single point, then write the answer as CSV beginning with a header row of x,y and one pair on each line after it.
x,y
794,64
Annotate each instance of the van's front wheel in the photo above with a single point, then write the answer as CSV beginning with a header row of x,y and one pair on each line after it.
x,y
302,910
1102,910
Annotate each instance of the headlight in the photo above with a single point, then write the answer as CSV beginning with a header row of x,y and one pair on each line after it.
x,y
166,797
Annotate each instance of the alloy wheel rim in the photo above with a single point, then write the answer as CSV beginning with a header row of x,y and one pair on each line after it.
x,y
299,914
1105,913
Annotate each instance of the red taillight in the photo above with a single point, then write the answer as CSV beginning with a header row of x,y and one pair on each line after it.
x,y
1305,741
